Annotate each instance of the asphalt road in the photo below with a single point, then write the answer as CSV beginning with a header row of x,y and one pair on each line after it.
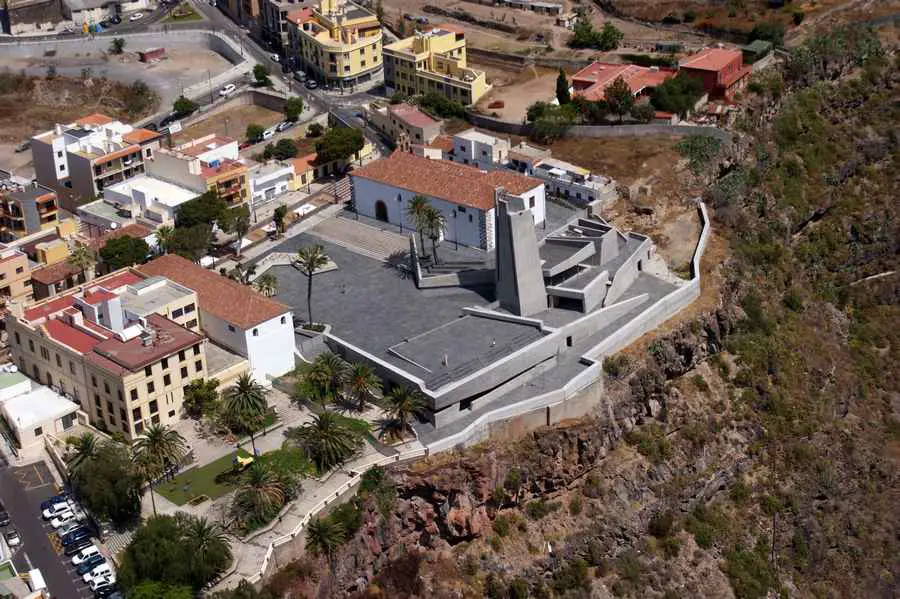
x,y
22,489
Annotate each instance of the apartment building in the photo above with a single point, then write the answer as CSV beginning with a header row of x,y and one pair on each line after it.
x,y
338,42
274,22
15,276
91,154
26,207
399,120
433,61
243,12
122,347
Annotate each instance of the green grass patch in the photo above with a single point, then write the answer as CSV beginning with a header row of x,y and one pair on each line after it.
x,y
6,571
201,480
183,12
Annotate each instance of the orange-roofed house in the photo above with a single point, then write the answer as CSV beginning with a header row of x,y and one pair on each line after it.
x,y
465,195
87,156
591,81
721,70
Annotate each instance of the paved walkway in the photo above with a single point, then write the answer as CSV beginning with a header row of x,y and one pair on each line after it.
x,y
361,238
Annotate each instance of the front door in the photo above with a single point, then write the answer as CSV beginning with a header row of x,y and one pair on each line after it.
x,y
381,212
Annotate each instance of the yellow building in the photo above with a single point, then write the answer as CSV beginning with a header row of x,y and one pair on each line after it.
x,y
339,43
433,61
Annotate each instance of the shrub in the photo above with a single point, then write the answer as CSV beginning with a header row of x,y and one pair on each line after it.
x,y
315,130
700,383
797,17
518,589
540,508
630,567
501,525
661,524
571,577
749,572
575,505
616,366
651,443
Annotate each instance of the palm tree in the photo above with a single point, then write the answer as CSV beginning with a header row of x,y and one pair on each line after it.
x,y
311,258
435,225
267,284
323,378
415,210
164,236
324,536
85,447
401,404
362,385
278,217
210,551
82,258
157,449
261,494
242,274
328,440
245,403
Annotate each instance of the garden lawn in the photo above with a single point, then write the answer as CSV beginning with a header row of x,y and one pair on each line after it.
x,y
202,481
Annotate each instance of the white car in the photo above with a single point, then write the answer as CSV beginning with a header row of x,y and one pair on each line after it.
x,y
104,570
268,133
136,17
227,90
56,509
84,554
63,519
103,581
283,126
12,537
274,58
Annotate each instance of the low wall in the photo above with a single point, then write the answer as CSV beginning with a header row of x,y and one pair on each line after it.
x,y
628,272
462,278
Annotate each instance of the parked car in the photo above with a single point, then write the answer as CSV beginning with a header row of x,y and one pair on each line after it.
x,y
97,572
82,556
136,17
274,58
50,501
4,519
268,133
78,545
89,564
102,582
311,84
300,76
56,509
284,126
109,591
12,537
63,519
115,20
70,527
76,536
227,90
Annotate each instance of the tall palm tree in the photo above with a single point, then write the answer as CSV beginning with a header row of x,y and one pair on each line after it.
x,y
246,404
401,404
323,378
157,449
85,447
435,225
278,217
324,536
164,236
261,494
267,284
311,258
82,258
328,440
415,210
362,385
210,551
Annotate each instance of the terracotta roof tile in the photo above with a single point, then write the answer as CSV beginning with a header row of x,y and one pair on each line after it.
x,y
69,336
51,307
711,59
455,183
95,119
304,163
592,81
139,136
412,115
237,304
54,273
132,230
225,166
442,142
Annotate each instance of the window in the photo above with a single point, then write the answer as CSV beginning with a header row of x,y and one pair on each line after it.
x,y
191,323
19,341
31,346
45,354
119,395
62,167
106,387
198,365
167,380
171,413
165,363
196,350
256,332
148,370
184,372
155,419
122,415
93,381
151,387
177,313
58,361
134,394
136,414
59,153
181,355
20,270
138,428
38,431
99,408
154,407
149,152
109,406
189,308
461,208
283,321
470,218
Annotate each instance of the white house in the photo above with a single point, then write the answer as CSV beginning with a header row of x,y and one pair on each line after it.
x,y
270,180
235,316
465,195
479,149
210,148
34,412
151,197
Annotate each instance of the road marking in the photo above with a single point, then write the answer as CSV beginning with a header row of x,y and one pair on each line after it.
x,y
38,472
55,542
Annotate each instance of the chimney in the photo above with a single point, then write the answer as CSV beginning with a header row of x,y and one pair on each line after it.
x,y
58,129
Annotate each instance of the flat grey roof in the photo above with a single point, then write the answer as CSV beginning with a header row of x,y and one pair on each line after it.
x,y
218,359
152,300
552,253
103,210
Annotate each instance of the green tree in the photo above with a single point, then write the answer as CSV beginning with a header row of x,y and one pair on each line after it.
x,y
108,484
83,449
340,143
278,216
643,112
149,469
438,104
562,88
324,536
254,133
237,222
284,149
267,284
200,397
609,38
246,405
203,210
159,445
329,439
435,225
415,211
310,259
164,235
323,379
120,252
677,95
770,31
293,108
139,98
82,258
117,45
184,106
619,97
362,385
315,130
151,589
191,242
261,76
379,11
401,404
585,36
537,111
259,497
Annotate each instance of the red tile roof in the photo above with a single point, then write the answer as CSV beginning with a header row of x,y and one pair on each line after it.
x,y
139,136
299,17
95,119
455,183
412,115
711,59
132,230
68,335
591,81
119,279
224,166
304,163
95,297
442,142
234,303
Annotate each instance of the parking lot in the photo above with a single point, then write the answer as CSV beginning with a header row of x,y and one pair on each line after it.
x,y
22,489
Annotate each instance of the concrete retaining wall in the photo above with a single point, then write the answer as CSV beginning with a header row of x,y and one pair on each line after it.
x,y
628,272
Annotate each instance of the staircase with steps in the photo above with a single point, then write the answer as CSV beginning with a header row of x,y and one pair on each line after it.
x,y
361,238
